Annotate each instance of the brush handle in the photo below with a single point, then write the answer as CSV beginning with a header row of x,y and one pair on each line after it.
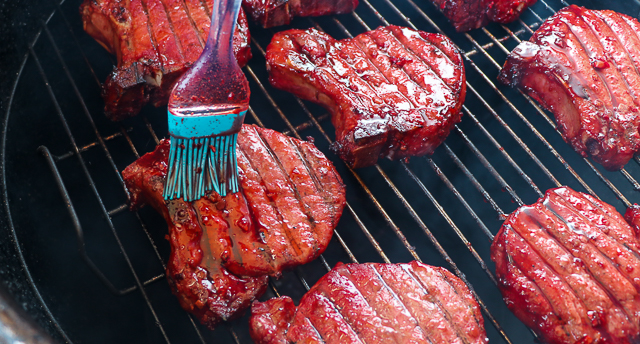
x,y
215,82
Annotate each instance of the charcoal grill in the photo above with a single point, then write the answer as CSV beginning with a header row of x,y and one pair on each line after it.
x,y
82,268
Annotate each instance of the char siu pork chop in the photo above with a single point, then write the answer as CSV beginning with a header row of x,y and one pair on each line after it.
x,y
222,248
393,92
270,13
155,42
374,303
569,267
467,15
582,65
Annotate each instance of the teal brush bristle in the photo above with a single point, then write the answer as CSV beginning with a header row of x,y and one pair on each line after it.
x,y
199,166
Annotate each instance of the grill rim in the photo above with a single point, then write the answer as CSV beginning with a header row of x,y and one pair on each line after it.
x,y
2,156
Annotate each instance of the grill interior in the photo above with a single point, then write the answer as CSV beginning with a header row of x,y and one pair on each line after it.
x,y
97,269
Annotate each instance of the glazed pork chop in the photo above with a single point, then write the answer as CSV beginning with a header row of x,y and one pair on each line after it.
x,y
223,248
154,42
374,303
568,267
393,92
582,65
467,15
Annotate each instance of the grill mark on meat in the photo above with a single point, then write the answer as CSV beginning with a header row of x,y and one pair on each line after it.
x,y
313,327
427,61
628,32
406,307
154,41
585,270
402,87
328,303
445,312
604,254
445,275
374,68
332,70
192,22
409,49
389,311
168,41
304,206
386,98
610,102
634,250
314,177
205,5
610,58
532,284
290,239
431,89
611,52
267,252
172,28
365,311
564,309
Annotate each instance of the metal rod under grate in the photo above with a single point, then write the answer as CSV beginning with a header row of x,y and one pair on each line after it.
x,y
443,210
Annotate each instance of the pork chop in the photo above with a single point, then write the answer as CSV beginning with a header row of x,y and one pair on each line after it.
x,y
374,303
393,92
222,248
568,267
582,65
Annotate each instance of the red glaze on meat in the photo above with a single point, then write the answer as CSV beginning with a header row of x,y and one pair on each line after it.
x,y
582,65
155,42
393,92
467,15
374,303
291,200
202,285
270,320
568,266
270,13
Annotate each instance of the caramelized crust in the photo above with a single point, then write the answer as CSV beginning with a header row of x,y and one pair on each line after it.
x,y
155,41
393,92
582,65
374,303
568,266
290,201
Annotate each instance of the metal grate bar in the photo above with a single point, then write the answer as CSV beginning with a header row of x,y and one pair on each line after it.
x,y
478,186
94,190
488,165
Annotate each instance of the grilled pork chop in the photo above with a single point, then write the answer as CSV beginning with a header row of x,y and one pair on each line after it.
x,y
393,92
374,303
223,248
155,41
568,267
270,13
582,65
467,15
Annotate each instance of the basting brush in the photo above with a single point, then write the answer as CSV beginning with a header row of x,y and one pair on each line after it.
x,y
206,110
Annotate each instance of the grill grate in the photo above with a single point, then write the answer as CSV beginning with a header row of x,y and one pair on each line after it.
x,y
504,153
